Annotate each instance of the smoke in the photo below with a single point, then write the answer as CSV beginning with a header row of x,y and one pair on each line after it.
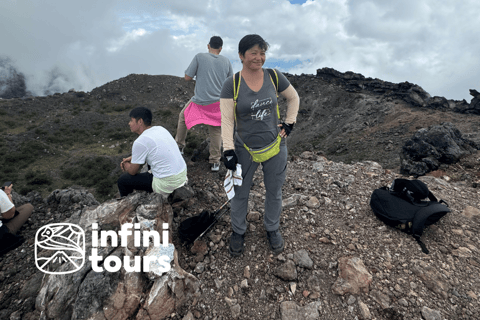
x,y
12,82
60,78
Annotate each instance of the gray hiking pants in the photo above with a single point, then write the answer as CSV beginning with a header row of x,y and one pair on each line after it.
x,y
274,170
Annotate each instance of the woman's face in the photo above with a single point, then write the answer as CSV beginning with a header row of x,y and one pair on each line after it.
x,y
254,58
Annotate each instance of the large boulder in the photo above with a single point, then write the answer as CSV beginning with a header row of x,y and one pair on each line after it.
x,y
96,290
429,148
473,107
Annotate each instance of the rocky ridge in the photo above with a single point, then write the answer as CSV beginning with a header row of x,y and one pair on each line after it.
x,y
340,262
410,93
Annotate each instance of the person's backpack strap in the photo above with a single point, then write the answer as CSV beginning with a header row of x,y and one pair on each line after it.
x,y
274,75
237,79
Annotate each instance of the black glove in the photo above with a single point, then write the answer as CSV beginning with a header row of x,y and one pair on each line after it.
x,y
287,127
230,159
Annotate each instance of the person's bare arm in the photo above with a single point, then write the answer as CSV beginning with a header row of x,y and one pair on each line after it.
x,y
10,213
129,167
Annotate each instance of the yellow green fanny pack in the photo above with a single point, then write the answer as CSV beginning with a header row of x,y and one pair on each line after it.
x,y
272,149
265,153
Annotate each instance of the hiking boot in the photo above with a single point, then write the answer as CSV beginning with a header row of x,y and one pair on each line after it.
x,y
181,150
215,166
236,247
276,241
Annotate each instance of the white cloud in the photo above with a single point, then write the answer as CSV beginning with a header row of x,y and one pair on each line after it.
x,y
126,39
428,42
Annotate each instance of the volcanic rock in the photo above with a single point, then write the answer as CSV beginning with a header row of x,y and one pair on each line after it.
x,y
429,148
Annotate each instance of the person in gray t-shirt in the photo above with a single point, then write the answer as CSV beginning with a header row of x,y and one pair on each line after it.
x,y
254,122
210,69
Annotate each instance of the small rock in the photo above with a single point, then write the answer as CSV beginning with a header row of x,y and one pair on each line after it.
x,y
351,300
324,240
353,277
306,293
462,252
219,283
17,315
430,314
281,257
253,216
318,167
382,299
200,268
189,316
244,284
314,295
215,237
293,287
236,310
403,302
246,272
364,311
292,201
313,203
472,295
199,247
263,295
470,212
287,271
230,302
302,259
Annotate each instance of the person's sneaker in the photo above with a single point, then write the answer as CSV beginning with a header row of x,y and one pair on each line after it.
x,y
181,150
215,166
236,247
276,241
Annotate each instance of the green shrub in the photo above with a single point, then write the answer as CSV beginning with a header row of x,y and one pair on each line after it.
x,y
40,131
37,178
93,173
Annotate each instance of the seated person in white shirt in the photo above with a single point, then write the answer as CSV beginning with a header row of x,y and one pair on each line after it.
x,y
11,219
156,147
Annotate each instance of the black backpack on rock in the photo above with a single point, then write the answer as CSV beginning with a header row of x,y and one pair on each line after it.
x,y
403,206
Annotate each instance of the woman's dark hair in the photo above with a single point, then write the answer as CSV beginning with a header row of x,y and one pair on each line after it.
x,y
249,41
216,42
142,113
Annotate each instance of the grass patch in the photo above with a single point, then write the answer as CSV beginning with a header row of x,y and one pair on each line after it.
x,y
96,172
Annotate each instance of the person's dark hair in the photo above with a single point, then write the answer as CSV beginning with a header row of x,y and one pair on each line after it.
x,y
142,113
249,41
216,42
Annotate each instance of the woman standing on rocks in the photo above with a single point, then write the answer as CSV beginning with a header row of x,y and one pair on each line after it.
x,y
252,133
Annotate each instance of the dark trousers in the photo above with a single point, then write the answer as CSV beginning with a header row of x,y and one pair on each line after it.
x,y
141,181
274,172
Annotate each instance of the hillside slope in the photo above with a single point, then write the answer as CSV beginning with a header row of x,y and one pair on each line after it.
x,y
56,141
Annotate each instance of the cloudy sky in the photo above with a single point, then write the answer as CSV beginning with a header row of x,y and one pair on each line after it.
x,y
61,44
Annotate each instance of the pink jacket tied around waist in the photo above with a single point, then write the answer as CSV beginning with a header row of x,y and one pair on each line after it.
x,y
209,114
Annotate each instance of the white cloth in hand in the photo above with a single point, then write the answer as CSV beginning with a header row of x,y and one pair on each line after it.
x,y
233,178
